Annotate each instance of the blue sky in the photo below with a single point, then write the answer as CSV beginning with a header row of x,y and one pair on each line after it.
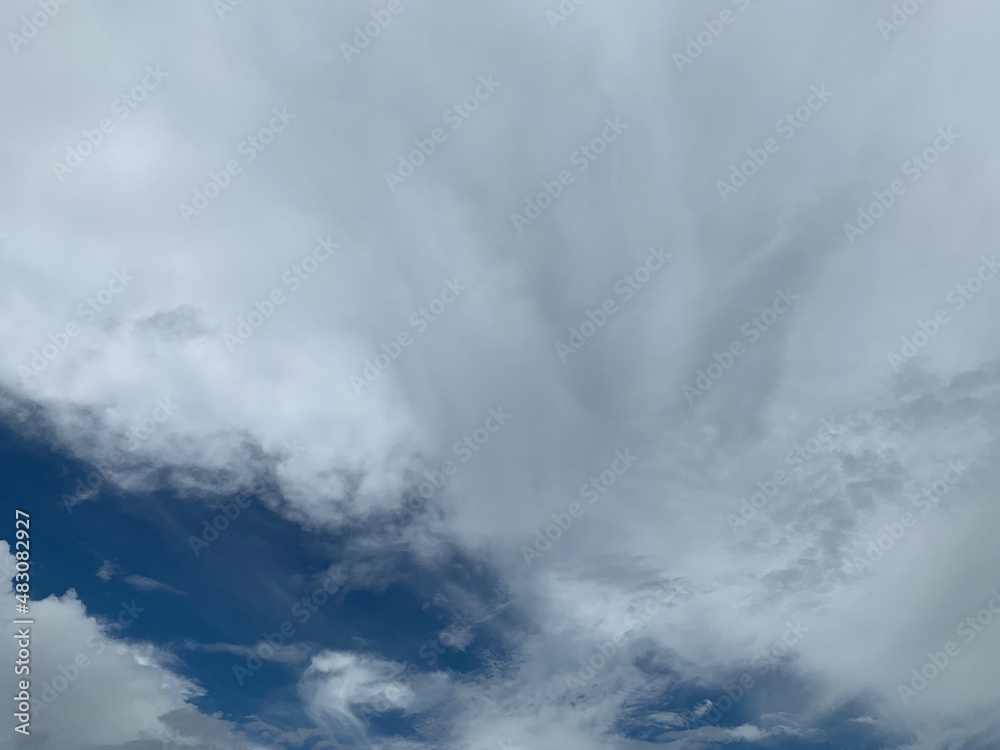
x,y
131,554
387,374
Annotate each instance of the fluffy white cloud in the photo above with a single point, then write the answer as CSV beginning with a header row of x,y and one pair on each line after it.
x,y
343,689
162,336
94,691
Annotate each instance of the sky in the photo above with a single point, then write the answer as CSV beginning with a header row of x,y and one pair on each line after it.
x,y
501,376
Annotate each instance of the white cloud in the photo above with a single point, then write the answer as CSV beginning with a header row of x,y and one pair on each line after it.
x,y
288,653
92,690
827,357
107,571
145,583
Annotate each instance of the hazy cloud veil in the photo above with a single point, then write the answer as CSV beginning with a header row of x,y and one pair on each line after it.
x,y
676,323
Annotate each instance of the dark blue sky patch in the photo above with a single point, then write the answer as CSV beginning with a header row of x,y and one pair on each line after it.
x,y
260,579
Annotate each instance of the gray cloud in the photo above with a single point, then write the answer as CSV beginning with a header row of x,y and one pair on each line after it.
x,y
323,174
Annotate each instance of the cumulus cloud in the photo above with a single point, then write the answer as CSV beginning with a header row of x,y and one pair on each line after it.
x,y
816,308
95,690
